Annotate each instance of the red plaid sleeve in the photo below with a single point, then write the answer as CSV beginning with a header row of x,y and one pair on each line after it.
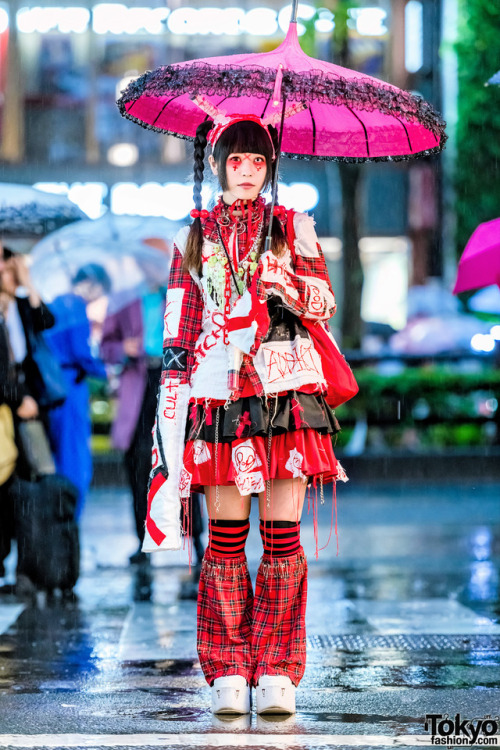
x,y
313,284
183,322
304,288
302,281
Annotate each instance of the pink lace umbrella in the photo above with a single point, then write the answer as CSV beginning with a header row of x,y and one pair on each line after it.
x,y
480,263
342,115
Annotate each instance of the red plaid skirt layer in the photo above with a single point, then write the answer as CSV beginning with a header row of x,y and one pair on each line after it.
x,y
252,636
302,453
224,625
279,618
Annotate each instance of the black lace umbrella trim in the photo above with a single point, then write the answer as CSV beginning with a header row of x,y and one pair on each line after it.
x,y
35,220
308,157
314,86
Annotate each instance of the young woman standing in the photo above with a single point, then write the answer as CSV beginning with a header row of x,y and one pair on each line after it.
x,y
242,413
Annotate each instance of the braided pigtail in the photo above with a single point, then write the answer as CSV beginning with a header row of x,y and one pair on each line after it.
x,y
194,244
278,239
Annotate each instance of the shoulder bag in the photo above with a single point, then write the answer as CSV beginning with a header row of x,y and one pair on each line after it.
x,y
8,449
341,383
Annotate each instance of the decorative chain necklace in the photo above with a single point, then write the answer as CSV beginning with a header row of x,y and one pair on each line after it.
x,y
227,275
241,215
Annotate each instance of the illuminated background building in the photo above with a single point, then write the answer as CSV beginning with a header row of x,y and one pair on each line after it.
x,y
62,65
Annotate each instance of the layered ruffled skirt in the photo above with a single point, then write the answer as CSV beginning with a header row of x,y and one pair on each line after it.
x,y
252,440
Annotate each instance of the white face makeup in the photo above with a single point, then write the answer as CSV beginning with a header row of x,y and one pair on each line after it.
x,y
245,176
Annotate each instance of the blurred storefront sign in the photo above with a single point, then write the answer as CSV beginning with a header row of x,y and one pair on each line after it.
x,y
118,18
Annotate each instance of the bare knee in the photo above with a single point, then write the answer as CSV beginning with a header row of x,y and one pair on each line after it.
x,y
285,500
227,503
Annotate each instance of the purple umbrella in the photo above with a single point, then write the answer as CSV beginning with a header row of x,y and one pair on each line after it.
x,y
480,263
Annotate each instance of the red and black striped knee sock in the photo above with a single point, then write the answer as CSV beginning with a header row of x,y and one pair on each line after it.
x,y
227,538
280,538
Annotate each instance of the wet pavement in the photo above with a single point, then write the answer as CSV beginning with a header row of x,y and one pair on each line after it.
x,y
404,622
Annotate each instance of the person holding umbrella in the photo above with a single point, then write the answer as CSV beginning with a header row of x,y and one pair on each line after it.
x,y
248,358
242,382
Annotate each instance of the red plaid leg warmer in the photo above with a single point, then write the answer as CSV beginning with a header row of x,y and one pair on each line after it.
x,y
224,627
279,615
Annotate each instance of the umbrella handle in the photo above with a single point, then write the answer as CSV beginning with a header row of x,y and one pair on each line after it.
x,y
295,9
274,188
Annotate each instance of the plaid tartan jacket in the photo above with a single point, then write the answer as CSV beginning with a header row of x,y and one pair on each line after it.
x,y
197,361
194,351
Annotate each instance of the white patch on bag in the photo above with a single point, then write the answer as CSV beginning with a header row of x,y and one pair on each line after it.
x,y
294,463
288,363
201,452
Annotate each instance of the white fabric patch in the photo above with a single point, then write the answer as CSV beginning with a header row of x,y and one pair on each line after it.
x,y
341,475
173,400
245,462
201,452
294,463
244,338
209,376
306,239
320,301
172,317
277,271
283,365
243,306
180,239
185,482
249,483
245,457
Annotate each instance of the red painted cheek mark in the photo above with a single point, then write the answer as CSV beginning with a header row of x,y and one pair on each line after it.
x,y
258,167
235,167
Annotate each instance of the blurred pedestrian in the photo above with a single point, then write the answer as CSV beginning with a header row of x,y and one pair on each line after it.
x,y
70,424
133,338
26,316
20,307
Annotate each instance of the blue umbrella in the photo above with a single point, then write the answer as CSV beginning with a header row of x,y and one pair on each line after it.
x,y
494,79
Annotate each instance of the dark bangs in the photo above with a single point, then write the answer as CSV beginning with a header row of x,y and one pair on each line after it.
x,y
245,137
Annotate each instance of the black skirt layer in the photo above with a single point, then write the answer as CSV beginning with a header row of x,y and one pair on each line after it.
x,y
251,415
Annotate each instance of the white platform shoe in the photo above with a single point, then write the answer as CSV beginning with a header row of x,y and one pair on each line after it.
x,y
275,695
230,695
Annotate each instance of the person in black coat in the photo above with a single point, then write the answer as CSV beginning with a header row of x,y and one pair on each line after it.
x,y
21,310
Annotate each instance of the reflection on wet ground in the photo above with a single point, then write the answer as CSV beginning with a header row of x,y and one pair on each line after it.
x,y
404,622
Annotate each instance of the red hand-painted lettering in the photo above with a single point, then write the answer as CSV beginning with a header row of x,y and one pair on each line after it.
x,y
170,405
315,299
167,332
